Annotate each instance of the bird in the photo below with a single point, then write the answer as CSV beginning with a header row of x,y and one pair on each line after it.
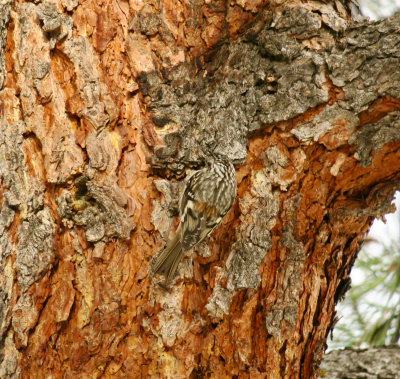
x,y
207,196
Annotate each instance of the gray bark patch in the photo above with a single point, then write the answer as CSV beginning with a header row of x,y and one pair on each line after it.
x,y
265,77
4,19
372,137
100,211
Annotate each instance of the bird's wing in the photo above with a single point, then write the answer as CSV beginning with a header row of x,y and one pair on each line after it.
x,y
199,213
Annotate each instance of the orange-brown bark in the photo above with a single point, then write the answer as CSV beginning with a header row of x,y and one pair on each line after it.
x,y
106,106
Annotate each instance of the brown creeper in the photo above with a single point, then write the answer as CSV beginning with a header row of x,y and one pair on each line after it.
x,y
208,195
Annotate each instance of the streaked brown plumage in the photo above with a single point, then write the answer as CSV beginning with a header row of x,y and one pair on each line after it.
x,y
208,195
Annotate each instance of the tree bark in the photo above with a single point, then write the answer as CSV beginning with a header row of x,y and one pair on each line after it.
x,y
106,106
372,363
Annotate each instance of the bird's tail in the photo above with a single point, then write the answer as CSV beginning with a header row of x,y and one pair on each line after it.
x,y
167,262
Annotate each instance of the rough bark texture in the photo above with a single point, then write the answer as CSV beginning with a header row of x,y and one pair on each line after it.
x,y
106,106
373,363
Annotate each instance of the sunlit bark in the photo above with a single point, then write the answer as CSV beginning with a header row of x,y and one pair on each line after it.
x,y
106,106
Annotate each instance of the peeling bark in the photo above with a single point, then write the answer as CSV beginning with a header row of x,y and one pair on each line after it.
x,y
105,108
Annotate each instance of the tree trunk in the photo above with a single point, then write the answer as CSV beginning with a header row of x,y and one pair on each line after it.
x,y
106,106
373,363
